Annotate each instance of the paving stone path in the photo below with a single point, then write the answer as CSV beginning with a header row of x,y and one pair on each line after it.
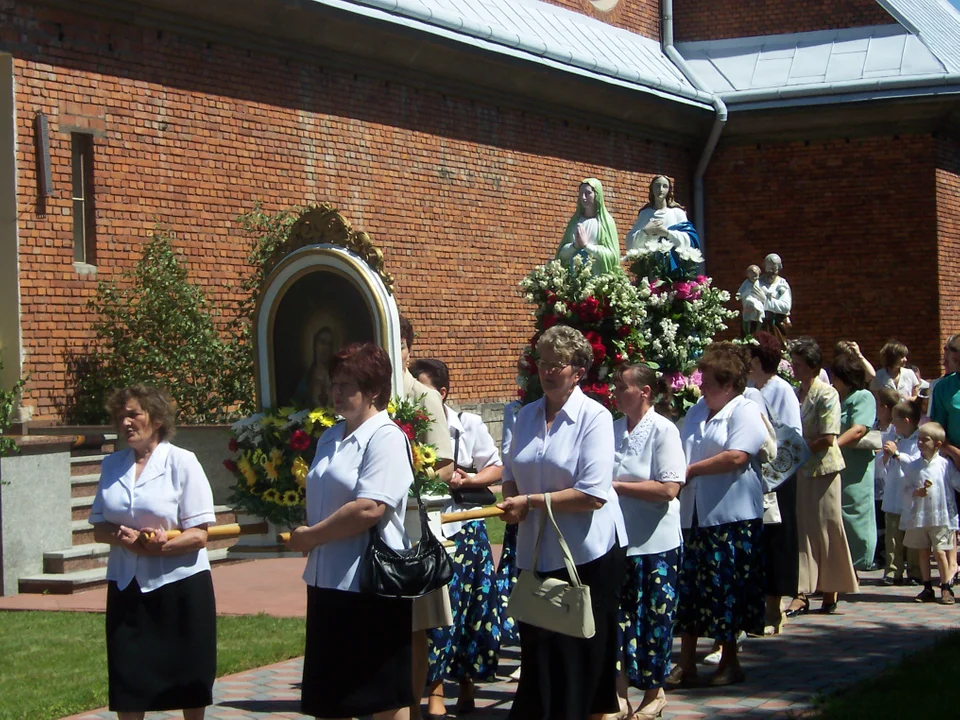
x,y
817,655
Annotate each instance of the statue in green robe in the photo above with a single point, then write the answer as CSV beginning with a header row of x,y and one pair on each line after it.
x,y
591,232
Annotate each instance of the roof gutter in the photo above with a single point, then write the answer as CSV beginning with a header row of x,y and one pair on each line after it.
x,y
719,106
937,83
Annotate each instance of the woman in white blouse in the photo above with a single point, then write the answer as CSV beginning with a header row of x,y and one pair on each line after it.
x,y
721,510
359,480
563,445
893,374
650,470
161,615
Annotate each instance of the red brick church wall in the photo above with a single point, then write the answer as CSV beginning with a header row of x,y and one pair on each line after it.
x,y
948,232
465,196
639,16
855,223
719,19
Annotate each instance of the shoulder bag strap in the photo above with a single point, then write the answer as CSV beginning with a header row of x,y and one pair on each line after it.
x,y
424,528
567,555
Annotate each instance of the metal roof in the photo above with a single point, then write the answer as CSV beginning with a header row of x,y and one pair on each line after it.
x,y
815,58
542,33
935,22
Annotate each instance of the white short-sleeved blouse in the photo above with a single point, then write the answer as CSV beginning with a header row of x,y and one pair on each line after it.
x,y
373,463
651,452
473,447
171,492
728,497
906,383
783,405
510,411
577,452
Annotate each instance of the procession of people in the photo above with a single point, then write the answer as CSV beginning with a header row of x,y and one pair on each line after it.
x,y
647,525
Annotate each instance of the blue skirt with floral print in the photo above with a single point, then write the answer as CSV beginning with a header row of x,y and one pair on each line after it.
x,y
470,648
647,605
721,581
506,578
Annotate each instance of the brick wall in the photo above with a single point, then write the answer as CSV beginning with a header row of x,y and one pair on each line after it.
x,y
718,19
948,233
464,196
639,16
856,225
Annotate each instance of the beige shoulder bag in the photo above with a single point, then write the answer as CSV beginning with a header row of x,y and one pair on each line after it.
x,y
550,603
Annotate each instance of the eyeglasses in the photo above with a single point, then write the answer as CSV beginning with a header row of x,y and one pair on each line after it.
x,y
552,367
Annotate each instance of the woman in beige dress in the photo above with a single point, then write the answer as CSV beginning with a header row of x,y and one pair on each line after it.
x,y
825,563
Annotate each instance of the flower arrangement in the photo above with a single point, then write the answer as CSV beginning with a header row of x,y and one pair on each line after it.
x,y
665,317
273,451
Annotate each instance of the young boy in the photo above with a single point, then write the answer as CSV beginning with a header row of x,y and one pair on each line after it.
x,y
930,518
886,400
904,419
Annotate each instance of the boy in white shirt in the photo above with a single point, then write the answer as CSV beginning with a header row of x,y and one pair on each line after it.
x,y
897,451
930,511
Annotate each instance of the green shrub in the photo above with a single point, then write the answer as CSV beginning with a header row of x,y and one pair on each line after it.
x,y
8,409
155,326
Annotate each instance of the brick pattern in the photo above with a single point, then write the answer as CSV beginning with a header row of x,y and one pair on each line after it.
x,y
948,234
639,16
464,196
719,19
856,225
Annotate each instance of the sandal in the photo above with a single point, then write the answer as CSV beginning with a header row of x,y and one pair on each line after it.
x,y
679,678
652,710
727,676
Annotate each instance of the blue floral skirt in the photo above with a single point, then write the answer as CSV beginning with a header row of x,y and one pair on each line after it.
x,y
506,578
470,648
647,605
721,583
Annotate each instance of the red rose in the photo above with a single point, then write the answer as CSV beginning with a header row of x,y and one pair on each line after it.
x,y
548,321
588,310
407,430
230,465
619,358
596,342
624,330
234,445
299,441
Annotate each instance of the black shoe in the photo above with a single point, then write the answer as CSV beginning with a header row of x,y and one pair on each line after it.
x,y
927,595
828,609
898,582
914,581
465,706
889,581
800,610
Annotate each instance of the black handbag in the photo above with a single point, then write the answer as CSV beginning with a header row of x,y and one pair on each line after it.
x,y
476,496
405,573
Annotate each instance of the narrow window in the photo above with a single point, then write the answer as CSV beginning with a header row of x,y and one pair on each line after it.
x,y
84,225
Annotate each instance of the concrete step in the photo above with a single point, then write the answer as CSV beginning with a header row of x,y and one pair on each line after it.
x,y
84,485
83,531
86,464
71,582
80,507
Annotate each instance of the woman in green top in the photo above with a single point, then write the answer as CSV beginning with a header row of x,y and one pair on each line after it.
x,y
591,232
945,403
858,411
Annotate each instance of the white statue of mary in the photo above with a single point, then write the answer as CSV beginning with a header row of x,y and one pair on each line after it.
x,y
662,218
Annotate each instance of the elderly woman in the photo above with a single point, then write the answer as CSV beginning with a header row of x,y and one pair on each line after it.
x,y
650,470
779,540
563,446
858,412
825,564
591,233
161,615
721,511
359,480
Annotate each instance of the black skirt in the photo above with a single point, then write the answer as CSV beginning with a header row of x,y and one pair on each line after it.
x,y
162,645
358,658
781,544
568,678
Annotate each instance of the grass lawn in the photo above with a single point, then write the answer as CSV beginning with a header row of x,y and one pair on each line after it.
x,y
54,664
921,685
496,526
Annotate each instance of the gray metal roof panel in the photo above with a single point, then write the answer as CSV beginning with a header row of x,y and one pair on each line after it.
x,y
935,22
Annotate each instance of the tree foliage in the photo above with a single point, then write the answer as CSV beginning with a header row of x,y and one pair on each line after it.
x,y
9,403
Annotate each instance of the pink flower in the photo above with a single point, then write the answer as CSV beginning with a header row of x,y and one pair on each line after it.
x,y
657,287
686,290
702,280
676,381
696,378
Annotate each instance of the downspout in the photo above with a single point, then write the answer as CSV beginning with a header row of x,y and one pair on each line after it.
x,y
666,31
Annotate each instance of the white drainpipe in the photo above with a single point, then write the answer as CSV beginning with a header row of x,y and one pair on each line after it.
x,y
666,32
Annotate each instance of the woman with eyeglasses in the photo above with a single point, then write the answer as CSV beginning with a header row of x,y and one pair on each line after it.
x,y
563,446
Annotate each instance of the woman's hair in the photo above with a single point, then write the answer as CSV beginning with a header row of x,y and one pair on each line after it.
x,y
842,347
651,200
908,410
768,350
434,369
156,402
728,363
848,369
887,397
406,331
640,375
570,345
368,365
893,352
806,349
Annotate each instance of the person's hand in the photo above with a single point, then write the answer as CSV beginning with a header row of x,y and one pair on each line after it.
x,y
129,538
580,237
300,540
920,492
153,539
890,448
514,508
459,480
655,227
